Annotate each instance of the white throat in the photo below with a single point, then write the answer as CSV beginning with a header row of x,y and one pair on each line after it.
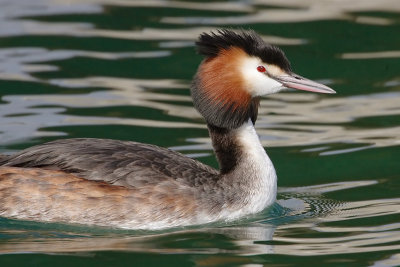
x,y
255,173
258,163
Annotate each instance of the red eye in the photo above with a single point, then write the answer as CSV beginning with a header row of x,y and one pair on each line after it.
x,y
261,69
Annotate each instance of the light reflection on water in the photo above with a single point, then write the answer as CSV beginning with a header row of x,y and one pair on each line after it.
x,y
352,208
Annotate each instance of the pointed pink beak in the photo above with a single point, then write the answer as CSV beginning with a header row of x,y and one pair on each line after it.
x,y
300,83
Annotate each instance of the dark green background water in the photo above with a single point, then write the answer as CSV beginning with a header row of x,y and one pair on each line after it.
x,y
121,69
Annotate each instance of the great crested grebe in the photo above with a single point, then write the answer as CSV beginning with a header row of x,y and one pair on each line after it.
x,y
140,186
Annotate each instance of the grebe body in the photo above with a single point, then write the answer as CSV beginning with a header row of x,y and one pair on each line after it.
x,y
139,186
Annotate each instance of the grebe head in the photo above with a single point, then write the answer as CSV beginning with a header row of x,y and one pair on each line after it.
x,y
239,68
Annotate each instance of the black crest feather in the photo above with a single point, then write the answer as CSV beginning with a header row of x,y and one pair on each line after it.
x,y
210,44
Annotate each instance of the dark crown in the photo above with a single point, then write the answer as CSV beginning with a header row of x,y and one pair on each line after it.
x,y
210,44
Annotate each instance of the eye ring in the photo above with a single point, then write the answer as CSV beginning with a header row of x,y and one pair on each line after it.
x,y
261,69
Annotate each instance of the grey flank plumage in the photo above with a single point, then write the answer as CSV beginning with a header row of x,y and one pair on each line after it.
x,y
124,163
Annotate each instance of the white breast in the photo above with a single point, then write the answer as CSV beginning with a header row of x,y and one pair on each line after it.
x,y
255,172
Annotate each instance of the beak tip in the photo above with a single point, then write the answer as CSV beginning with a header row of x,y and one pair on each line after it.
x,y
330,91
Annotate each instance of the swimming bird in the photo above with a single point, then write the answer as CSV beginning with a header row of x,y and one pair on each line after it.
x,y
141,186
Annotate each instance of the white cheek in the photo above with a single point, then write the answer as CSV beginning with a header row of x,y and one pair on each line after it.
x,y
258,83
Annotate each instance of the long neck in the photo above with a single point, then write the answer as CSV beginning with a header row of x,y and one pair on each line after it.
x,y
245,165
226,148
